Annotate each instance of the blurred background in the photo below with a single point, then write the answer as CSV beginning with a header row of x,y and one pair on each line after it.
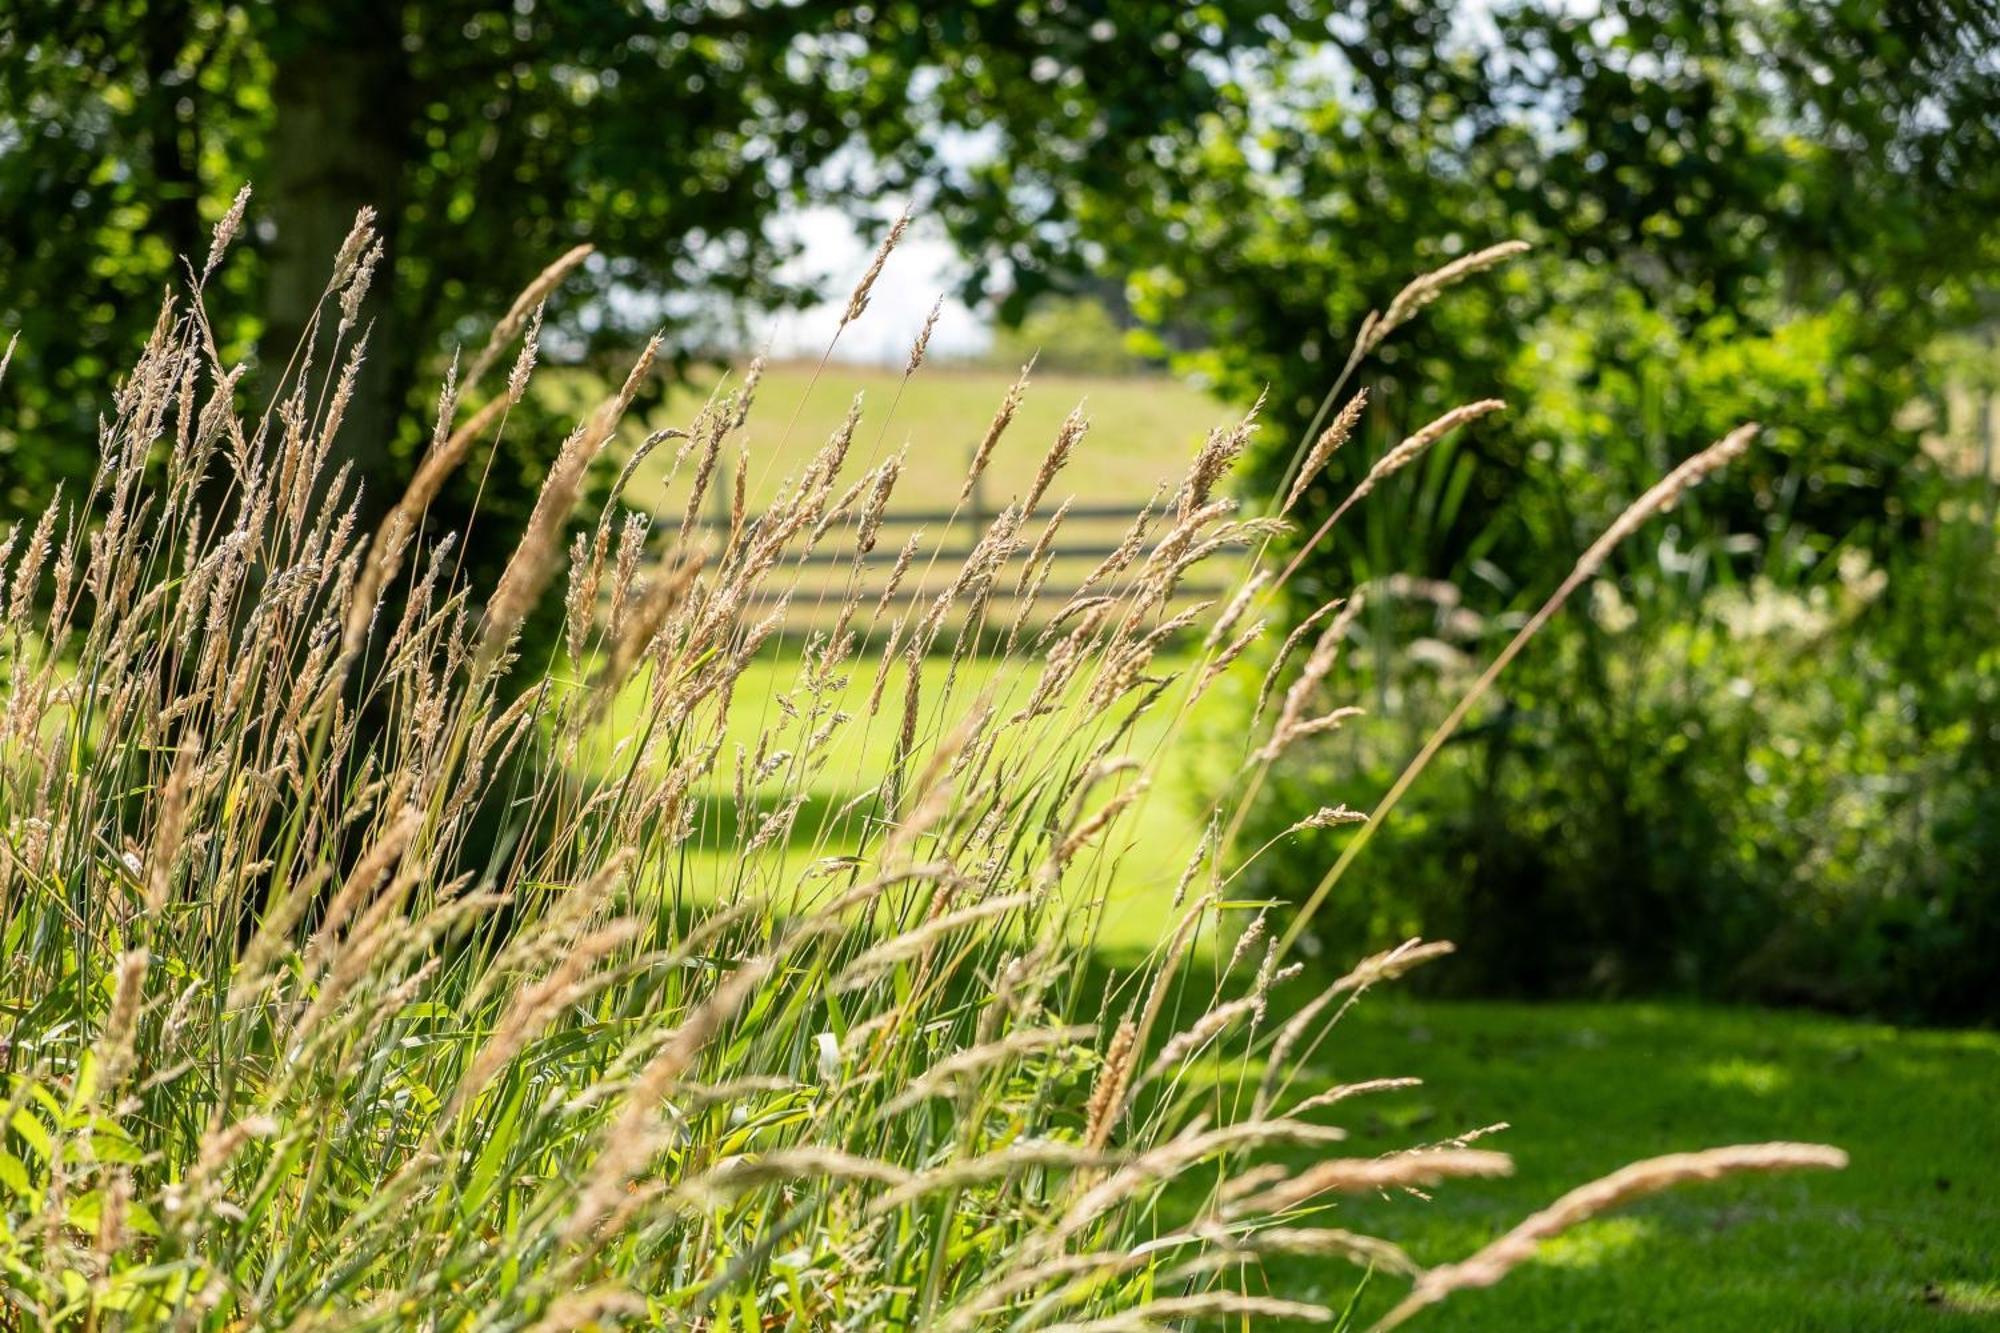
x,y
1757,767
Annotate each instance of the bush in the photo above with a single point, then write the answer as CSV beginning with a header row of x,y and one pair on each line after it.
x,y
1067,335
1776,794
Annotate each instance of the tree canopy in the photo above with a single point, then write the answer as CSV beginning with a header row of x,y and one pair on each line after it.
x,y
1740,210
492,137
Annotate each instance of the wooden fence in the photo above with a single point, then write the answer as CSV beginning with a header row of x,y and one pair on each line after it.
x,y
1090,533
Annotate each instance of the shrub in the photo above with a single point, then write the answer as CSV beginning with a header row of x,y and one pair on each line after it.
x,y
1779,794
345,989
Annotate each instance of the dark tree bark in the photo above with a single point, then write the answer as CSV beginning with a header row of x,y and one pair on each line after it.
x,y
340,142
171,141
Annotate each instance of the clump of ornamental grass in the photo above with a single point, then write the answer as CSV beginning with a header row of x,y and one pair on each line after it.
x,y
295,1039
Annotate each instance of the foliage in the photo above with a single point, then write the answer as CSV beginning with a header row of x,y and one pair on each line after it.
x,y
1758,791
1740,212
1709,187
1072,335
312,1025
490,137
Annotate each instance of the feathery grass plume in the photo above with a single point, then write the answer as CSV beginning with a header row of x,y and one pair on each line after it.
x,y
1388,465
1233,613
857,301
1016,1157
225,231
1423,290
923,342
1170,1158
1325,447
526,312
1377,327
1384,966
28,573
360,951
1639,1179
1292,723
356,291
1076,838
1284,653
533,1006
982,453
913,942
633,1135
1341,1092
449,445
1330,1242
524,359
533,561
1152,1317
939,1080
1068,434
1425,436
1358,1175
1328,816
1107,1092
746,396
737,1175
168,837
1214,459
114,1044
1204,1030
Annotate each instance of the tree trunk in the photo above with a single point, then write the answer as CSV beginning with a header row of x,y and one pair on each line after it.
x,y
176,184
339,143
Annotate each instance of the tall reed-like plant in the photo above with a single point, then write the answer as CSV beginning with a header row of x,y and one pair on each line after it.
x,y
340,991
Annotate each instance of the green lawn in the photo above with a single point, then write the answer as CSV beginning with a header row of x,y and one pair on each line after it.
x,y
1144,429
1147,852
1907,1237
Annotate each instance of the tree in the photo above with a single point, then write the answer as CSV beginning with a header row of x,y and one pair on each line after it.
x,y
1072,335
492,137
1739,210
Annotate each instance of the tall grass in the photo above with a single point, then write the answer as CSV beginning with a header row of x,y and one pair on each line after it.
x,y
339,992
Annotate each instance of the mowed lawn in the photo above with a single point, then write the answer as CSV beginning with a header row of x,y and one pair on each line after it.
x,y
1908,1237
1143,854
1144,430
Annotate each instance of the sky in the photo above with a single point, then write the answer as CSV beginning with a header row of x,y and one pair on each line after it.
x,y
923,266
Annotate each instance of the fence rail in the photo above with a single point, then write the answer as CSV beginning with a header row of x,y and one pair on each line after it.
x,y
1088,533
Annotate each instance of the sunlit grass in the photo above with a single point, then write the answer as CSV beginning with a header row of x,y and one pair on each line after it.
x,y
1143,428
1907,1237
1148,853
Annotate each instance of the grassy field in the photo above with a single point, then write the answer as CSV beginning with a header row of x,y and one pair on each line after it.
x,y
1908,1237
320,1013
1143,428
1150,847
1146,429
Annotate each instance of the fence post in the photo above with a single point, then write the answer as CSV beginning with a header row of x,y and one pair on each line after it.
x,y
975,514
